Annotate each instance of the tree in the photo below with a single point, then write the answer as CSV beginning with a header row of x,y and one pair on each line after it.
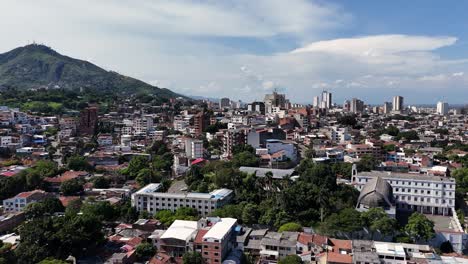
x,y
250,214
100,182
46,207
245,158
461,177
144,177
389,147
291,226
71,187
347,221
135,165
291,259
78,163
46,168
367,163
52,261
101,210
419,227
192,257
378,221
144,251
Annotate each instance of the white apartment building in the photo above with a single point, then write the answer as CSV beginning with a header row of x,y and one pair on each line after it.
x,y
104,140
289,148
21,200
193,148
150,200
142,125
414,192
442,108
5,141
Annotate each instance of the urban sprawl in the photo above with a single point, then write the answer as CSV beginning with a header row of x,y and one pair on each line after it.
x,y
199,181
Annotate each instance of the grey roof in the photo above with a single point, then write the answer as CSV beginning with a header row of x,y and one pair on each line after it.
x,y
410,176
376,193
260,172
258,232
243,238
280,239
366,257
253,244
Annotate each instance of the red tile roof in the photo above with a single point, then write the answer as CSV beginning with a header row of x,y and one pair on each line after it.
x,y
65,200
200,234
27,194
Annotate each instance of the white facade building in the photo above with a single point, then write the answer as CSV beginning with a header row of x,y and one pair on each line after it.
x,y
275,145
194,148
150,200
415,192
21,200
442,108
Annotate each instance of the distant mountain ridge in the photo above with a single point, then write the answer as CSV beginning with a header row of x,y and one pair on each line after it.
x,y
38,66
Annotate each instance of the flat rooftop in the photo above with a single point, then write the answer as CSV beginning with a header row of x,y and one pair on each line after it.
x,y
152,190
220,229
409,176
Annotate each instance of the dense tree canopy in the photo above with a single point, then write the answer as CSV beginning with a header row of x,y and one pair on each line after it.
x,y
192,257
291,259
419,227
145,251
293,227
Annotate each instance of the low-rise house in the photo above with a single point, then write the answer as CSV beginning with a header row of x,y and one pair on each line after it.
x,y
21,200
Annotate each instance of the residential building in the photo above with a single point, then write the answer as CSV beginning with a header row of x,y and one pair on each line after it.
x,y
215,242
88,121
276,246
258,107
178,238
194,148
397,103
387,107
442,108
21,200
233,137
357,106
224,103
414,192
151,200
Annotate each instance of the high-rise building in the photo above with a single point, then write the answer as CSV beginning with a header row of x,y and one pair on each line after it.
x,y
258,107
193,148
357,106
316,102
326,100
347,106
398,103
224,103
275,100
442,108
387,107
200,122
88,121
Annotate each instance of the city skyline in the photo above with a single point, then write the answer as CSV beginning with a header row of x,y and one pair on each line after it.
x,y
351,49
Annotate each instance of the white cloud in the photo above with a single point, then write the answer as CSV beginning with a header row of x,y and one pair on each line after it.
x,y
182,45
437,77
375,46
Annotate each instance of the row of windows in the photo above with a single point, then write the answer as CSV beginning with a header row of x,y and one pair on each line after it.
x,y
175,205
421,191
175,200
421,199
412,183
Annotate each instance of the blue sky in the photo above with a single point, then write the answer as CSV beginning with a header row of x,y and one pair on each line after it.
x,y
243,49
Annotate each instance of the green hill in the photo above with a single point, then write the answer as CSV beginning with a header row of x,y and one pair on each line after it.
x,y
38,66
